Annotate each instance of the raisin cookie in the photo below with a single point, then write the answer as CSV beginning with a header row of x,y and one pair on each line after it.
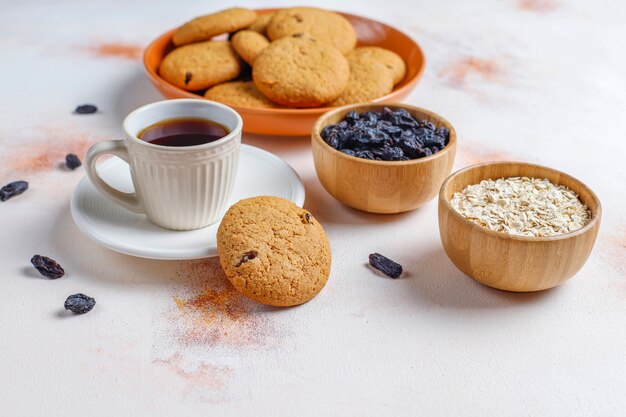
x,y
298,71
200,65
261,22
249,44
273,251
389,59
239,93
369,79
205,27
323,25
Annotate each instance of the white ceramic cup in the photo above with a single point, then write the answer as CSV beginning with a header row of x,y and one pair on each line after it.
x,y
179,188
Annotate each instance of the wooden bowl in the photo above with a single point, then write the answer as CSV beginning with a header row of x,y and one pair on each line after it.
x,y
508,262
294,122
381,186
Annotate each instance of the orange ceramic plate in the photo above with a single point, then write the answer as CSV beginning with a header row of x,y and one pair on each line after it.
x,y
298,122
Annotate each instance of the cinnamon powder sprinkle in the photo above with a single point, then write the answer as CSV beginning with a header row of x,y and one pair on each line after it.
x,y
614,249
540,6
457,74
48,152
202,379
212,313
471,152
117,50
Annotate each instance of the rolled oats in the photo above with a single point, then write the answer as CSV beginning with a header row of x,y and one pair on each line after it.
x,y
522,206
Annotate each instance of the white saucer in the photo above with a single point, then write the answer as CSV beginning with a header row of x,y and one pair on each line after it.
x,y
112,226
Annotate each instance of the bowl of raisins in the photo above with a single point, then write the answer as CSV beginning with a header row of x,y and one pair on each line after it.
x,y
383,158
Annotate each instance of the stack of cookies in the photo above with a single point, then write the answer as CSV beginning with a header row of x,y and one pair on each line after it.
x,y
295,57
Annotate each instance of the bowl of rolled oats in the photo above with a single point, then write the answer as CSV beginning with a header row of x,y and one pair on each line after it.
x,y
517,226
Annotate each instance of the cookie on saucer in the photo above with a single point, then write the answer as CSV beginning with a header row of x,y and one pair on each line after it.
x,y
273,251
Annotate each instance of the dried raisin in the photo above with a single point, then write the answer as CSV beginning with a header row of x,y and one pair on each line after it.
x,y
13,189
385,265
86,109
79,303
47,267
248,256
72,161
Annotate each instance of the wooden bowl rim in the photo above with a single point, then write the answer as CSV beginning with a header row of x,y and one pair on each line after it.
x,y
315,134
408,84
595,216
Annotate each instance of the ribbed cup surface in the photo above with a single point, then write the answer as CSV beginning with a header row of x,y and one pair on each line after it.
x,y
184,190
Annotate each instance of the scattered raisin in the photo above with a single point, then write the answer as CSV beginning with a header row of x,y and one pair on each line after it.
x,y
13,189
385,265
47,267
72,161
188,76
247,257
443,132
79,303
86,109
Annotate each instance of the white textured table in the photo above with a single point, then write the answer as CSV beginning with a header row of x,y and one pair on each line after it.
x,y
535,80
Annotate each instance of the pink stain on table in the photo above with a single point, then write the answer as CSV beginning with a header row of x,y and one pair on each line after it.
x,y
200,380
47,151
117,50
459,71
614,249
538,6
472,152
204,381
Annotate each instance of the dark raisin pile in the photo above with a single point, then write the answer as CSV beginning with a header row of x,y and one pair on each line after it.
x,y
47,267
385,265
389,135
13,189
79,303
72,161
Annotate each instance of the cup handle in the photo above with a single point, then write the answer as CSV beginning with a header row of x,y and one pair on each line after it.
x,y
118,148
